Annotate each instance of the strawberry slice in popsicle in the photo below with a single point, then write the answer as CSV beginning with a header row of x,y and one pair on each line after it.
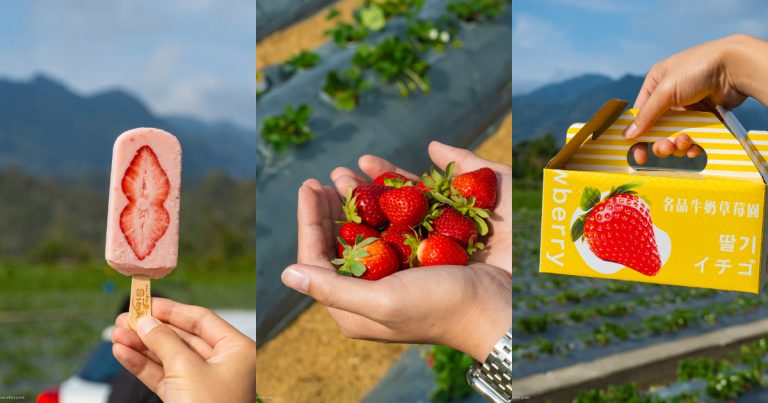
x,y
143,216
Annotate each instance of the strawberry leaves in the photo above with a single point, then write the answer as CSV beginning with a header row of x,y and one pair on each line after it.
x,y
350,208
577,231
589,198
624,189
350,265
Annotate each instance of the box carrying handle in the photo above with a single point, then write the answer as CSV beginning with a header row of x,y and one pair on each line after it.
x,y
731,152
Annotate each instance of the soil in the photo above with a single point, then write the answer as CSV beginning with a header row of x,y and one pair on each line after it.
x,y
498,147
304,35
311,361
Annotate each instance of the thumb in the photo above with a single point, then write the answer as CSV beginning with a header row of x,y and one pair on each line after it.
x,y
164,342
362,297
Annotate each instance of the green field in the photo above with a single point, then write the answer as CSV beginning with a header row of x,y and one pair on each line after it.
x,y
56,292
51,316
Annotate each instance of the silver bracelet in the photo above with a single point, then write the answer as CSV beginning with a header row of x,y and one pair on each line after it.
x,y
493,378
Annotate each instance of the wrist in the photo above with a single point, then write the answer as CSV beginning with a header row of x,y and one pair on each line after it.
x,y
485,321
741,64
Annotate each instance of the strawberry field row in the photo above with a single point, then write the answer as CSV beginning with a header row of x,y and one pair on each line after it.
x,y
741,377
620,309
645,330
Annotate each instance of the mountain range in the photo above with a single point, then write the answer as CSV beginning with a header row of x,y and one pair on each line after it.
x,y
47,129
554,107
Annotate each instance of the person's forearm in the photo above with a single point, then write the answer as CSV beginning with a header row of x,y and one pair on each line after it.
x,y
746,66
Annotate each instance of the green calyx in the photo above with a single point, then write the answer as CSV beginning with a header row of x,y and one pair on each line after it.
x,y
350,208
397,182
439,183
413,243
474,247
349,262
590,197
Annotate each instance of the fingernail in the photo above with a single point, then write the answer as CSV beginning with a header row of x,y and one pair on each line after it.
x,y
631,131
296,280
146,324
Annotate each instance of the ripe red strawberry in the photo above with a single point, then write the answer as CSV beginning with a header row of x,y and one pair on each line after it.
x,y
362,205
455,225
441,250
405,206
396,238
369,259
481,184
349,232
619,228
146,186
380,180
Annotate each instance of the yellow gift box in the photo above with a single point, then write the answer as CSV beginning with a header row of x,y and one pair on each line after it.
x,y
602,217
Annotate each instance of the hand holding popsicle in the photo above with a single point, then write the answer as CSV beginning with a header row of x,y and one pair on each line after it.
x,y
143,217
186,353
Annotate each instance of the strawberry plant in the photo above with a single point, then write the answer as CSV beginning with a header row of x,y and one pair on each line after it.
x,y
428,35
476,10
345,33
396,62
396,8
450,367
289,129
301,61
345,88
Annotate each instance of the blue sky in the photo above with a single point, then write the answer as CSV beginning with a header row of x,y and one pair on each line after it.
x,y
553,40
192,57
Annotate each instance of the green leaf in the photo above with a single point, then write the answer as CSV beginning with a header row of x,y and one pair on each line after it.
x,y
589,198
373,18
577,231
357,268
332,13
625,188
482,227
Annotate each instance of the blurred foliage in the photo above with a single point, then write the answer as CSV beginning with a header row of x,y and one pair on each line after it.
x,y
476,10
345,88
450,367
529,157
290,128
44,221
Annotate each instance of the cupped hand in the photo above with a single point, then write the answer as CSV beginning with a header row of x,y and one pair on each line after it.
x,y
464,307
187,353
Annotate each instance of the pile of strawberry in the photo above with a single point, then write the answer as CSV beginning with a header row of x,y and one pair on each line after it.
x,y
393,224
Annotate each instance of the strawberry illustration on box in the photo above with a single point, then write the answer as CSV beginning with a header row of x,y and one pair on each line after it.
x,y
605,216
618,228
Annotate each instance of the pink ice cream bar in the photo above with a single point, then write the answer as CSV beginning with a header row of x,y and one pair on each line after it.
x,y
144,196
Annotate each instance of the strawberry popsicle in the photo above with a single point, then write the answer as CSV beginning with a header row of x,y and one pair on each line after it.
x,y
143,216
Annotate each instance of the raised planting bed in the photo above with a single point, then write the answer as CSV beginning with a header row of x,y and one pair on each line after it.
x,y
740,377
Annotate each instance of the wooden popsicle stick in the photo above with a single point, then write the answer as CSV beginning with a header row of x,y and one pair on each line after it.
x,y
141,300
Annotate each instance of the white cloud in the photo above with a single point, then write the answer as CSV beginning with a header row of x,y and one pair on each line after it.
x,y
178,56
